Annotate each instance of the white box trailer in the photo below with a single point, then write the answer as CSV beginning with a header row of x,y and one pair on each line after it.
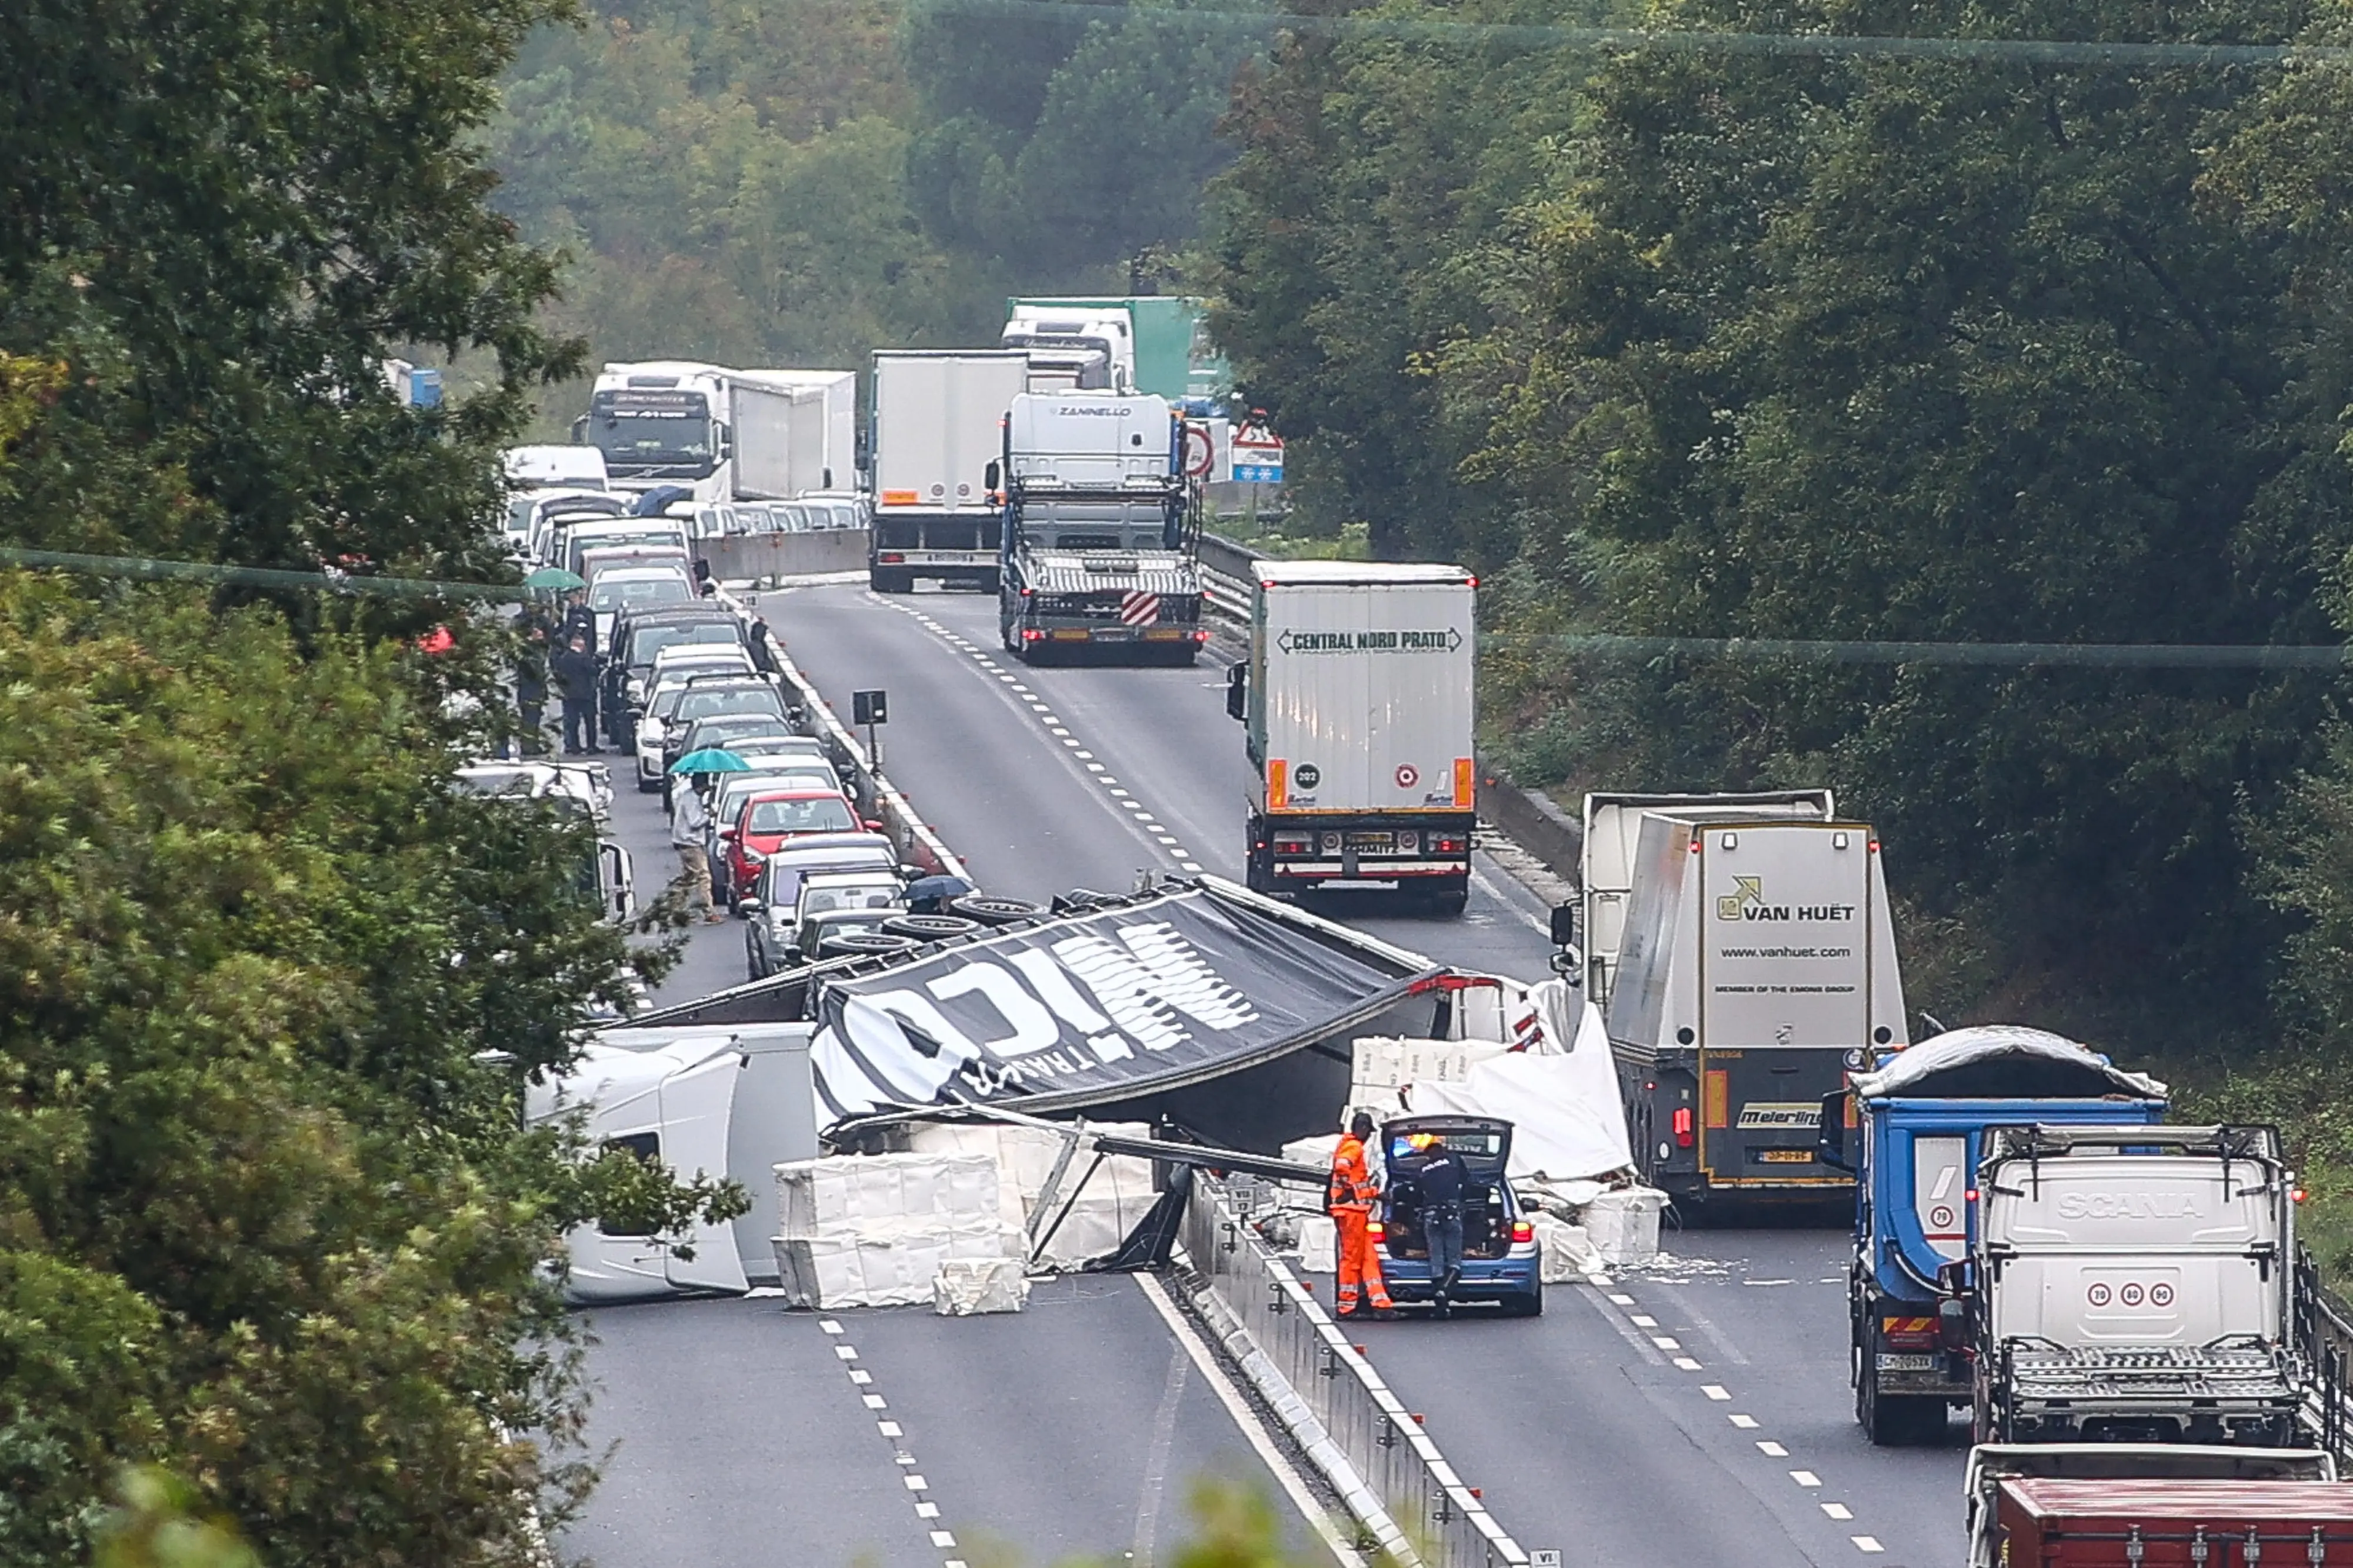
x,y
1758,968
1613,823
825,445
1360,703
938,425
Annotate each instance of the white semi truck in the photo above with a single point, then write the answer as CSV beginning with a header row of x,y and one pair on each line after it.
x,y
938,427
1745,959
1359,696
723,435
1101,539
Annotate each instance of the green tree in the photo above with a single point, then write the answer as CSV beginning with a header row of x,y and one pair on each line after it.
x,y
243,205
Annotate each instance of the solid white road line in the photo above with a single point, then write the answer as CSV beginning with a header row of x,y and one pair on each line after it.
x,y
1286,1475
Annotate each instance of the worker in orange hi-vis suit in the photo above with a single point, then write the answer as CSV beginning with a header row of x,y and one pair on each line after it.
x,y
1350,1202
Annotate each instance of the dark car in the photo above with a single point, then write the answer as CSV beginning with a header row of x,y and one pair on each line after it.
x,y
1500,1261
720,732
766,947
641,634
709,698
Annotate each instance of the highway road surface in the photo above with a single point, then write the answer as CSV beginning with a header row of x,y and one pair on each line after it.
x,y
1691,1415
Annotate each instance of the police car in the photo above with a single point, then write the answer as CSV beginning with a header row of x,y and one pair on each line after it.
x,y
1500,1261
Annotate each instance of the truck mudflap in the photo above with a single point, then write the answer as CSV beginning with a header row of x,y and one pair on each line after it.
x,y
2237,1391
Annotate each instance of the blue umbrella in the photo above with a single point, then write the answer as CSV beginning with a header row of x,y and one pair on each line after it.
x,y
710,760
653,502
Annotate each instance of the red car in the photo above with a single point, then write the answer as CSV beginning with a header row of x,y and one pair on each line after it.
x,y
767,820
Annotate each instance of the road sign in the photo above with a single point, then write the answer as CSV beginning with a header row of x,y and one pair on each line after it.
x,y
1258,456
869,706
1200,452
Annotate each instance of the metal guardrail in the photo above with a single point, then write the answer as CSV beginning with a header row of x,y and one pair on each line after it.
x,y
1433,1518
1225,577
2324,1335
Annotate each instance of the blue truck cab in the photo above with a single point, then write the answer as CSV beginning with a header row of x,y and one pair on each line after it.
x,y
1910,1130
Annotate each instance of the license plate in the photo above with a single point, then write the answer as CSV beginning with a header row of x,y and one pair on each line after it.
x,y
1896,1362
1785,1156
1120,634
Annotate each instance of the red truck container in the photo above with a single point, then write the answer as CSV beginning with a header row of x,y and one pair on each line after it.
x,y
2175,1524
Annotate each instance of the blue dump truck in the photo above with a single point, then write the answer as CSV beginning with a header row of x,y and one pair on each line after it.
x,y
1911,1131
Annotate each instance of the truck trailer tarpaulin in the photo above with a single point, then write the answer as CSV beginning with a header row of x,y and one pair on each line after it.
x,y
1107,1005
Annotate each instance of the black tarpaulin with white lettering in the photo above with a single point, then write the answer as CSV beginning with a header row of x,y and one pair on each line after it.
x,y
1093,1008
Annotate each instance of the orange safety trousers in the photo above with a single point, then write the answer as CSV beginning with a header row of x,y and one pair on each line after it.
x,y
1360,1265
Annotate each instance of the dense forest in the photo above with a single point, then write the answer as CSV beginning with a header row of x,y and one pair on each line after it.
x,y
1988,343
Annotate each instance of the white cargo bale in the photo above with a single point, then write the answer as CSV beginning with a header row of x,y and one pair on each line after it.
x,y
884,1267
1383,1062
1566,1251
1624,1225
1315,1151
844,1195
1319,1244
1108,1206
964,1288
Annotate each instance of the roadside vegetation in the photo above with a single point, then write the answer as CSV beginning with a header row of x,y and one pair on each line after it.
x,y
268,1222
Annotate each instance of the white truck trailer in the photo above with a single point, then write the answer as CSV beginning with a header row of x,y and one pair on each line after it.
x,y
1359,696
938,424
1754,969
723,434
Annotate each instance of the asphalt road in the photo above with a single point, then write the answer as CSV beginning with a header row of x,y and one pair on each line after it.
x,y
739,1440
1584,1432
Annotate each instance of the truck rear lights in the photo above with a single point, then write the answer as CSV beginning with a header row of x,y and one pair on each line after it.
x,y
1448,845
1032,634
1201,636
1294,843
1523,1232
1683,1127
894,557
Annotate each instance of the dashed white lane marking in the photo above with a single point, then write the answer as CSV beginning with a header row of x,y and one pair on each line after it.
x,y
1286,1475
914,1481
1055,727
1631,1320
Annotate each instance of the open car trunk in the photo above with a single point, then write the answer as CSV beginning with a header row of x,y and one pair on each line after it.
x,y
1484,1144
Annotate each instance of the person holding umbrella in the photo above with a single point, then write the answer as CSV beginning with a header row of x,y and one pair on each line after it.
x,y
690,816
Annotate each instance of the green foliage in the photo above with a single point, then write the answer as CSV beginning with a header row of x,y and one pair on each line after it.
x,y
220,217
1745,344
157,1526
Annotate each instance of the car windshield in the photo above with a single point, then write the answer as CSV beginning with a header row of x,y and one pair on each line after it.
x,y
647,641
612,592
736,726
649,536
703,704
810,814
667,698
853,896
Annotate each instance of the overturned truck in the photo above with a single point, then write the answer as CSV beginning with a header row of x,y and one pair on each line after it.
x,y
1201,1009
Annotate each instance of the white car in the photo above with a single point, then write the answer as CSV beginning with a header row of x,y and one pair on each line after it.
x,y
586,787
619,588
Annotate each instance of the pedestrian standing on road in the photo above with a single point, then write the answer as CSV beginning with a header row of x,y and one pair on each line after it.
x,y
763,658
688,818
1350,1201
1439,1179
531,688
579,620
576,678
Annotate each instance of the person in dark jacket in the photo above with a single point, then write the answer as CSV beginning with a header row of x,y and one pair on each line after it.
x,y
531,687
763,658
579,625
1440,1179
576,678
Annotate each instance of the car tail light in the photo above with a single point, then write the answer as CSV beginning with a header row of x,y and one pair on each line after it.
x,y
1376,1229
1683,1126
1523,1231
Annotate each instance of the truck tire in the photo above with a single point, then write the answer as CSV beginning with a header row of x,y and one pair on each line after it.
x,y
995,912
883,582
930,927
1896,1420
842,945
